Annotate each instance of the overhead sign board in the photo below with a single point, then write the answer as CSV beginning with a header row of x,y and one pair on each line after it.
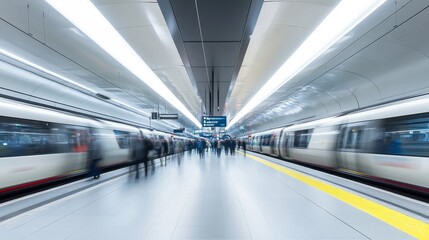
x,y
154,115
214,121
168,116
180,130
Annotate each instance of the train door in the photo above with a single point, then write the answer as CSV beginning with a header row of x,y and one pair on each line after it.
x,y
287,144
273,149
349,145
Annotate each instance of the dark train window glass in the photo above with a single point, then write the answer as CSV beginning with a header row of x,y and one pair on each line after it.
x,y
123,139
273,141
21,137
341,138
302,138
406,136
354,135
78,138
266,140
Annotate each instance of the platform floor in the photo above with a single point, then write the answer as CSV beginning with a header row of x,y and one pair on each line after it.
x,y
231,197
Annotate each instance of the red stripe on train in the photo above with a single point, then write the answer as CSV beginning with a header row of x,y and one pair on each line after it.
x,y
401,184
46,180
29,184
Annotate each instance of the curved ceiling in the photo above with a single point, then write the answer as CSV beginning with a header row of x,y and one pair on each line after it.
x,y
199,48
382,59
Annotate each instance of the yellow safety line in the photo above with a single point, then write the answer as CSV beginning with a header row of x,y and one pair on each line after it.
x,y
405,223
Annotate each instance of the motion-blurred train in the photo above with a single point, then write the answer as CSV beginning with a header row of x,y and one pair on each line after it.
x,y
39,145
388,143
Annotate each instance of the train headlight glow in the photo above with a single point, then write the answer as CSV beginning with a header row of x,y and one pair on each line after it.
x,y
346,15
85,16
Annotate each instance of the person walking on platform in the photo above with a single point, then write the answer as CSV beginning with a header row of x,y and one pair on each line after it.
x,y
147,146
94,156
232,147
204,143
243,145
179,150
171,147
164,147
138,154
226,145
219,147
208,145
199,148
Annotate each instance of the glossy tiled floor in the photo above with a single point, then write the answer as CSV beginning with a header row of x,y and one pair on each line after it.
x,y
231,197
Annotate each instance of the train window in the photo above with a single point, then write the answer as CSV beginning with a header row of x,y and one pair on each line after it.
x,y
302,138
78,138
273,141
406,136
123,139
341,138
353,140
21,137
266,140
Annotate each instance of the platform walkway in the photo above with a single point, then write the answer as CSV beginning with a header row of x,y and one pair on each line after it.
x,y
231,197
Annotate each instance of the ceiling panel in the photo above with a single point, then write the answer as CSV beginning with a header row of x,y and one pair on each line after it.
x,y
216,53
224,28
221,20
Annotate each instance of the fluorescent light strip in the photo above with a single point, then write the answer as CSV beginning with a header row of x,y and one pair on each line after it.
x,y
28,63
346,15
85,16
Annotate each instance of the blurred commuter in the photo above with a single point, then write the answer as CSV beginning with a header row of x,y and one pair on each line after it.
x,y
219,147
171,147
147,147
232,147
204,143
179,150
94,156
238,144
226,145
157,145
213,145
138,154
209,146
199,148
243,145
164,146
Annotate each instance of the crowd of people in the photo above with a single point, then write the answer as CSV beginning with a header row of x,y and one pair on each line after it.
x,y
229,146
145,149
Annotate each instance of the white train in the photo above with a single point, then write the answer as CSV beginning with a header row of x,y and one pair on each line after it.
x,y
388,143
39,145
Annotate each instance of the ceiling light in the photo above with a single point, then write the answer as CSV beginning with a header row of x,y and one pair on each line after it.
x,y
40,68
85,16
346,15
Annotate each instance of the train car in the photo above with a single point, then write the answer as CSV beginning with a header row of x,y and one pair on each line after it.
x,y
255,144
40,145
116,142
270,141
46,146
389,143
312,142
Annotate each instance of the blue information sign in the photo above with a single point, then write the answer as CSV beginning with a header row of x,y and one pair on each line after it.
x,y
214,121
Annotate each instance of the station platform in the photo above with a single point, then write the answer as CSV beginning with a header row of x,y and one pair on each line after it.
x,y
226,197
